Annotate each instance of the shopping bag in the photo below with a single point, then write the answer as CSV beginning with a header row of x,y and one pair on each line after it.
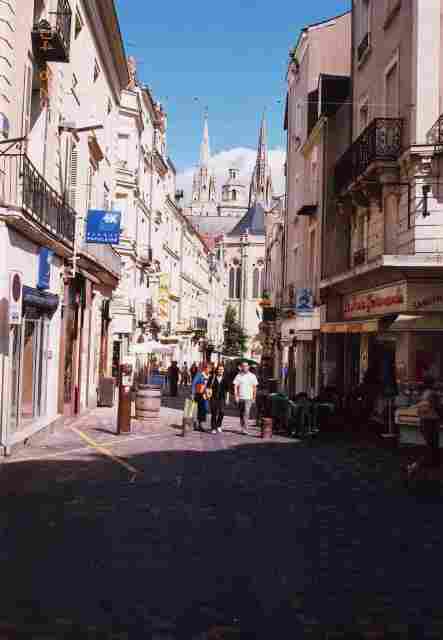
x,y
190,409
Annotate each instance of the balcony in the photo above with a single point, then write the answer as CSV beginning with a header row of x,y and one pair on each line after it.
x,y
105,256
359,257
22,187
381,141
199,324
435,133
51,36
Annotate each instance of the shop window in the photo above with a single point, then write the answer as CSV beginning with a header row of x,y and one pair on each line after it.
x,y
29,371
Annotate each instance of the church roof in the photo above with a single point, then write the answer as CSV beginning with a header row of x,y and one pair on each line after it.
x,y
253,222
212,225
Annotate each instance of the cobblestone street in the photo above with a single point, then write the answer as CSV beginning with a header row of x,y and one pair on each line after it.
x,y
264,539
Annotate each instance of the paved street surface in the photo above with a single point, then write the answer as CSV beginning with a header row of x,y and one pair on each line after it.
x,y
223,536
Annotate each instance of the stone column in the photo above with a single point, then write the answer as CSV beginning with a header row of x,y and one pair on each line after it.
x,y
7,63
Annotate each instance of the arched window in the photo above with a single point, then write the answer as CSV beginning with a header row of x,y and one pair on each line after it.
x,y
232,282
238,282
256,283
234,194
262,286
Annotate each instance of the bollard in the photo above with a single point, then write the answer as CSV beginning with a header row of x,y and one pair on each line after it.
x,y
124,400
124,410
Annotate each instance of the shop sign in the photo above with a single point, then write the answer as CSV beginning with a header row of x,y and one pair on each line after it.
x,y
304,301
45,258
425,297
163,297
15,297
103,227
379,302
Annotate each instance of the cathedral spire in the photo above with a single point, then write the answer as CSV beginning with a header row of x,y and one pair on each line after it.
x,y
205,152
261,183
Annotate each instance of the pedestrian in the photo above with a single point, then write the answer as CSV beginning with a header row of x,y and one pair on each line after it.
x,y
173,377
193,371
430,412
245,386
199,394
218,386
185,375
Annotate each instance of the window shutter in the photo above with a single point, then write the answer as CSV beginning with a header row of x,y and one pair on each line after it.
x,y
73,176
28,101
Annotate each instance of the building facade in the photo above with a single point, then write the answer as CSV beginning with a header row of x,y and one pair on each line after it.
x,y
383,302
56,164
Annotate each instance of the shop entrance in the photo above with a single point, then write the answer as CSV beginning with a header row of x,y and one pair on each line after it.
x,y
29,370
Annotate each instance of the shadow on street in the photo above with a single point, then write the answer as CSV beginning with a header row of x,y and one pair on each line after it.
x,y
257,538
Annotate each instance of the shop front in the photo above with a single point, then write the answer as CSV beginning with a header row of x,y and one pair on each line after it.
x,y
399,327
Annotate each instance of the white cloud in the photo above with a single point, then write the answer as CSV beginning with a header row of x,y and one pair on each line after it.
x,y
242,159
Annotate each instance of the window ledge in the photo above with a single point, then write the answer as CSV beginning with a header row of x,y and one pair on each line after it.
x,y
392,14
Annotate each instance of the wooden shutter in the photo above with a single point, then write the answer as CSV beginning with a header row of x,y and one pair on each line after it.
x,y
27,97
73,175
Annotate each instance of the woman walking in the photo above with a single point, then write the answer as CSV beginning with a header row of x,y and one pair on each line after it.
x,y
218,385
200,395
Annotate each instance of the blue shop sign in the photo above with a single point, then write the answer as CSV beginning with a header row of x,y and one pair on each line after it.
x,y
44,268
103,227
304,301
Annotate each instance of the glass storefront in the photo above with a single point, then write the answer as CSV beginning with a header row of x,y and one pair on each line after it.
x,y
29,371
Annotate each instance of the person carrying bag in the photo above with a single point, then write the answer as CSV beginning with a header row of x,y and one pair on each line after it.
x,y
199,394
430,412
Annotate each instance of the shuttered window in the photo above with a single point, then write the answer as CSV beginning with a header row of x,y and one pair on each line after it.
x,y
73,175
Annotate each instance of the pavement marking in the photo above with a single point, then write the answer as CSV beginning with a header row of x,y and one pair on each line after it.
x,y
101,449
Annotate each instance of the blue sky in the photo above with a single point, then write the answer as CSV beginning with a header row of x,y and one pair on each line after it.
x,y
231,55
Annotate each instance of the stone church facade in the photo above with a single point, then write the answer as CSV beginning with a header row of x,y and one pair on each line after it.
x,y
232,218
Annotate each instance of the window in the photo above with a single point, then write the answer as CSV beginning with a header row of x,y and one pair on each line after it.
x,y
78,24
392,91
234,194
106,198
238,283
96,71
109,106
256,283
73,173
123,148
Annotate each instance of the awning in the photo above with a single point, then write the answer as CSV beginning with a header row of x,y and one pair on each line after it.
x,y
370,326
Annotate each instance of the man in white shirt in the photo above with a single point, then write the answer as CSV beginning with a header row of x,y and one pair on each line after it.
x,y
245,386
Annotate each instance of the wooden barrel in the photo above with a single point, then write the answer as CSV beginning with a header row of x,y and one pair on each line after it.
x,y
147,402
266,428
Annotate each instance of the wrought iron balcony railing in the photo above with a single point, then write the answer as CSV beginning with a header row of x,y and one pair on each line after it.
x,y
23,187
200,324
51,36
435,133
381,141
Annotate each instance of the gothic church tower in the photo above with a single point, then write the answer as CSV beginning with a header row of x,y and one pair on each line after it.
x,y
261,191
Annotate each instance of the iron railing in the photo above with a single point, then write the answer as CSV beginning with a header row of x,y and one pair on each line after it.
x,y
63,24
435,133
200,324
52,34
381,141
22,186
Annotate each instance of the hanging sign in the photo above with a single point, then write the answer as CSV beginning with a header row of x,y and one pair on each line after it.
x,y
44,268
15,297
304,301
103,227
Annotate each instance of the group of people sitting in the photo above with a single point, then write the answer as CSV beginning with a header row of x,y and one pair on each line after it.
x,y
210,389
